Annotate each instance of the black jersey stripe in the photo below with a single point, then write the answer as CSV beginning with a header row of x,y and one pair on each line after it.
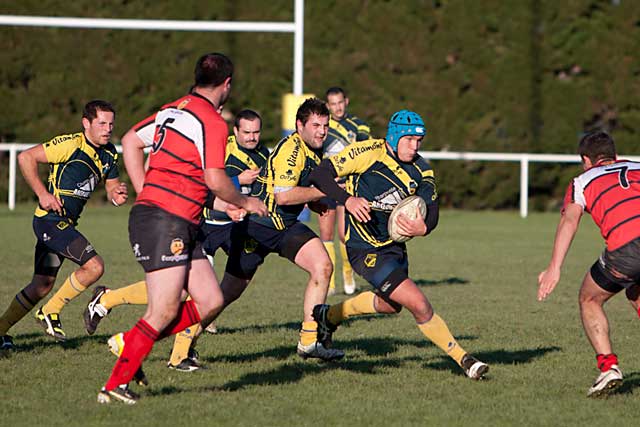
x,y
628,199
617,184
182,196
190,178
180,159
621,223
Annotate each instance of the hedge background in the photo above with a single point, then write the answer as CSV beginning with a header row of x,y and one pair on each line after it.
x,y
496,75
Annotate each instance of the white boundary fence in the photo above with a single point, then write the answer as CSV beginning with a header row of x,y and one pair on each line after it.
x,y
523,158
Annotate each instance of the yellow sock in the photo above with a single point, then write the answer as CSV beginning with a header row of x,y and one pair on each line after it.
x,y
70,289
347,271
18,308
438,332
309,333
360,304
332,255
135,293
182,344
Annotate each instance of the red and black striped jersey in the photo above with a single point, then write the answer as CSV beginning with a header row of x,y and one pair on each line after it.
x,y
611,194
186,137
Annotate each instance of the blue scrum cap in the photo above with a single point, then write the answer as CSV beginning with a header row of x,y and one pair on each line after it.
x,y
403,123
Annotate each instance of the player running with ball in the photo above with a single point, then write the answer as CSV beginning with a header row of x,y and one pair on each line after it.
x,y
380,173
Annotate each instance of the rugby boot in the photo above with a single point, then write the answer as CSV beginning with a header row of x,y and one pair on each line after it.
x,y
95,311
120,393
473,368
606,382
51,325
325,328
316,350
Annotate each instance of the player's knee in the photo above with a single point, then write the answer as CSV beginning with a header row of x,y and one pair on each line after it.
x,y
322,271
94,268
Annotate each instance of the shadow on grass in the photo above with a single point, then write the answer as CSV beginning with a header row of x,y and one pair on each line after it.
x,y
497,357
375,346
447,281
35,340
631,382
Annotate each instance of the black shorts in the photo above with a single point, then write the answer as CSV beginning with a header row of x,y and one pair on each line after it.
x,y
618,269
57,240
216,237
162,240
384,268
252,242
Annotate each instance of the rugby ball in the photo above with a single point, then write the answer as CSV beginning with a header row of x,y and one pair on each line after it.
x,y
412,206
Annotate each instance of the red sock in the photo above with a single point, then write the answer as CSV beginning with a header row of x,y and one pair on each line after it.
x,y
187,315
138,344
606,360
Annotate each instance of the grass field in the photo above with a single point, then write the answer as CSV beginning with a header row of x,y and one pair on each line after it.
x,y
478,269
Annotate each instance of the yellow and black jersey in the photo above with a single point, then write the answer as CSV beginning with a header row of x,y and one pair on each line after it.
x,y
288,166
344,132
237,160
75,169
374,173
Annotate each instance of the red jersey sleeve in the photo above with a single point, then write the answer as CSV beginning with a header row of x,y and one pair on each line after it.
x,y
569,197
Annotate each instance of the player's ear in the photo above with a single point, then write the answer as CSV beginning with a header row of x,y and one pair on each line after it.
x,y
346,101
86,124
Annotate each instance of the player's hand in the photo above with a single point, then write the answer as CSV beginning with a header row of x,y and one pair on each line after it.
x,y
256,206
359,208
236,213
547,281
411,227
50,203
318,207
248,176
120,195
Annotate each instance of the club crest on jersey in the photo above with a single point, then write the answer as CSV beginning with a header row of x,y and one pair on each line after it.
x,y
177,246
62,225
370,260
183,104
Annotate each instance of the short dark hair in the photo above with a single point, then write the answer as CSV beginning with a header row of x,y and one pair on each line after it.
x,y
90,111
246,115
212,70
335,90
597,146
311,106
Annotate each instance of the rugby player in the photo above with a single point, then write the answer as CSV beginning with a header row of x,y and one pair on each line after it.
x,y
344,129
609,190
283,184
186,161
382,172
77,163
245,156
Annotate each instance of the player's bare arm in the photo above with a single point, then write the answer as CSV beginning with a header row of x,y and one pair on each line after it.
x,y
221,186
567,228
28,161
117,192
298,196
133,154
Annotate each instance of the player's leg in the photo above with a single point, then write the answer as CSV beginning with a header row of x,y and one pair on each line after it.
x,y
105,299
21,305
62,238
306,250
326,225
348,279
597,288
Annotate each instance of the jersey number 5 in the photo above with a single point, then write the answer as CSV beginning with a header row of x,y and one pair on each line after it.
x,y
161,133
622,175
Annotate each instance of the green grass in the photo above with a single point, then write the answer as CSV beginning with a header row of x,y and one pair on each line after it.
x,y
479,270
